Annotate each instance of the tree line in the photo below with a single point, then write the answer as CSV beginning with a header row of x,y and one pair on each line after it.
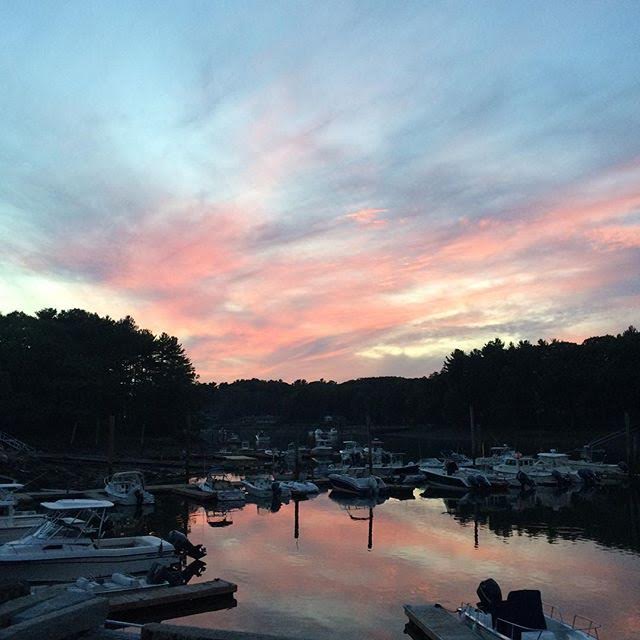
x,y
63,371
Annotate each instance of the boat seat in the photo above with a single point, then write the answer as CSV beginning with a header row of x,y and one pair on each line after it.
x,y
522,608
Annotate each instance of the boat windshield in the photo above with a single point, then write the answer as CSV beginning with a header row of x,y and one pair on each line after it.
x,y
84,523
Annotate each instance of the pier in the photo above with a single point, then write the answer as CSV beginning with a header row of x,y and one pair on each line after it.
x,y
437,624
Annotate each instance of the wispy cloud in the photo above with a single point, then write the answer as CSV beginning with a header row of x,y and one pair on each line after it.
x,y
346,193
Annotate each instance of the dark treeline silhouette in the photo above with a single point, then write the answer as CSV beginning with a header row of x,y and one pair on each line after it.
x,y
71,369
547,385
67,371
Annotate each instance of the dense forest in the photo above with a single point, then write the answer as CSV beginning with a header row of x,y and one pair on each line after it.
x,y
69,370
547,385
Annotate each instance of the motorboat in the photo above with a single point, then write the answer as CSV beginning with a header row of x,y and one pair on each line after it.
x,y
127,488
368,485
352,454
451,477
559,463
158,576
459,458
431,463
323,443
496,455
263,486
70,543
299,488
217,486
14,524
525,471
522,616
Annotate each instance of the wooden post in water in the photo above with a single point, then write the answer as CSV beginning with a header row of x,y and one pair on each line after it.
x,y
73,432
627,431
296,519
111,443
187,448
370,461
370,540
473,433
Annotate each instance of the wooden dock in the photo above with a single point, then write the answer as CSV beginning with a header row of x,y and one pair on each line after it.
x,y
170,596
437,624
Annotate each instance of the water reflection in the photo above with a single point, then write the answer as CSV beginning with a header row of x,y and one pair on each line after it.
x,y
609,517
313,567
359,508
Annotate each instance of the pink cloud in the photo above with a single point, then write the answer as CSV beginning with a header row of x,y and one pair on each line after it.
x,y
368,217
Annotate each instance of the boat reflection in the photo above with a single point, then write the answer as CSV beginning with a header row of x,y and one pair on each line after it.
x,y
359,508
220,515
606,515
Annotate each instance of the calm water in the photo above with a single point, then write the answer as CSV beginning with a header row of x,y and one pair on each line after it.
x,y
581,549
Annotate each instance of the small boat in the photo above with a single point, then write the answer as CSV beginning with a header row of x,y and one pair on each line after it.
x,y
15,524
299,488
363,486
127,488
70,543
158,576
523,471
263,486
460,479
219,487
522,616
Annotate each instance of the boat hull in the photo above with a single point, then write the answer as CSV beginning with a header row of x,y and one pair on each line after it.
x,y
443,481
65,569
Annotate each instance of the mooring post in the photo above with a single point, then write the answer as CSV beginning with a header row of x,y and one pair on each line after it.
x,y
111,443
472,426
627,431
187,450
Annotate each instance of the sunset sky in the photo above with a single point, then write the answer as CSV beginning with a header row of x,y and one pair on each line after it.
x,y
324,189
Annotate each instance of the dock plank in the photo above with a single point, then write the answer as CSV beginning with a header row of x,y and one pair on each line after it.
x,y
163,596
438,624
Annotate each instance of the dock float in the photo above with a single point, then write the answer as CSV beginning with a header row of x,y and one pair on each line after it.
x,y
437,624
179,632
165,597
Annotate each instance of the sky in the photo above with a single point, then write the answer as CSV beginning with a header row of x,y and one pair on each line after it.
x,y
324,189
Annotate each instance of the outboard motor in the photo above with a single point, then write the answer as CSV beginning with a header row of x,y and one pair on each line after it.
x,y
490,595
524,480
158,573
483,481
588,477
623,466
451,467
561,479
184,546
473,480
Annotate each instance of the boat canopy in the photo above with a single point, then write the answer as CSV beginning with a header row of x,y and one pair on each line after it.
x,y
75,504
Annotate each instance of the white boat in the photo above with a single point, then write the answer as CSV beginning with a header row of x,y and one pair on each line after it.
x,y
127,487
522,616
368,485
219,487
300,487
323,443
352,454
431,463
522,471
454,478
14,524
69,544
263,486
496,455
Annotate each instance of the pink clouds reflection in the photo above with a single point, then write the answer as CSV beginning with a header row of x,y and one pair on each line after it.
x,y
328,580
